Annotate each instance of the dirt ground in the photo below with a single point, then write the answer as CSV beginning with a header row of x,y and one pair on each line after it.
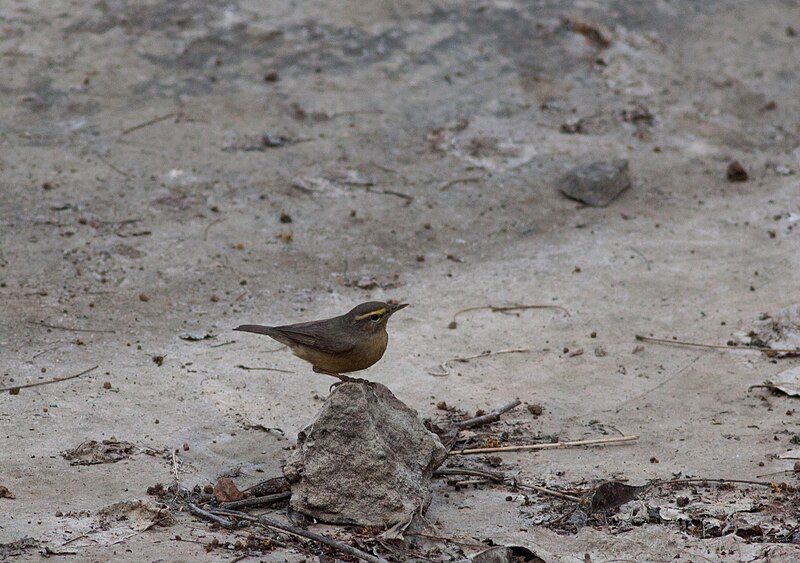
x,y
420,144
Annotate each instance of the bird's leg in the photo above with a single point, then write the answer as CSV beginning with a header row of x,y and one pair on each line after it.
x,y
342,378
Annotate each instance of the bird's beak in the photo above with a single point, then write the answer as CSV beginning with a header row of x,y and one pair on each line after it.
x,y
394,308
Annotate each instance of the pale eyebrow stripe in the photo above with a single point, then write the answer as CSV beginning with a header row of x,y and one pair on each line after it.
x,y
375,312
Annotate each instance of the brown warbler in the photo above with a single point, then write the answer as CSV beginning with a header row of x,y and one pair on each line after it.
x,y
350,342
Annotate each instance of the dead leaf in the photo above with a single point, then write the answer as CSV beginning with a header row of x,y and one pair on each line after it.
x,y
5,493
93,452
787,381
17,547
138,515
612,494
195,336
225,491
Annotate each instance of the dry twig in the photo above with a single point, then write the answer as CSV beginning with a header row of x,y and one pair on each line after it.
x,y
454,181
763,349
248,368
505,309
488,418
256,501
289,528
224,522
16,388
767,484
149,122
485,354
500,478
70,329
549,446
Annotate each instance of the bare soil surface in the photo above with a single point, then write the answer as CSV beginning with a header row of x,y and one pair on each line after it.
x,y
175,167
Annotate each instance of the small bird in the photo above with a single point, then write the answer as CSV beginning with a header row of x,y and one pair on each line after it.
x,y
350,342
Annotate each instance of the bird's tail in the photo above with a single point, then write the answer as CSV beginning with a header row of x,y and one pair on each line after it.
x,y
257,329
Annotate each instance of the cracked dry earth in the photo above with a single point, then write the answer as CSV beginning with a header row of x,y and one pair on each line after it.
x,y
184,167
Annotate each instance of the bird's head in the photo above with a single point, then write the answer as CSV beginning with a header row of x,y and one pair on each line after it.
x,y
372,316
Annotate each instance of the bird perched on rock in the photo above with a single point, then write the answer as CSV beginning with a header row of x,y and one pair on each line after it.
x,y
350,342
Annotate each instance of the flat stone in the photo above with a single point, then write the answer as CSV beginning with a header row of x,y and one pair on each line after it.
x,y
366,460
596,184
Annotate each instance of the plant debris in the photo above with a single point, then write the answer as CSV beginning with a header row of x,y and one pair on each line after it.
x,y
225,491
93,452
787,382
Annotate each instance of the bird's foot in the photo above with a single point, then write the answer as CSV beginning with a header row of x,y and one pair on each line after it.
x,y
347,379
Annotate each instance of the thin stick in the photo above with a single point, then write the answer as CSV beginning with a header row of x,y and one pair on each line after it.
x,y
548,492
507,308
700,480
549,446
488,418
454,181
496,477
248,368
211,224
148,123
224,522
48,382
717,346
776,473
500,478
276,525
70,329
110,165
486,354
257,501
176,464
401,195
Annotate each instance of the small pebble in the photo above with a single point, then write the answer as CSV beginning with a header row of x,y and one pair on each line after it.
x,y
736,172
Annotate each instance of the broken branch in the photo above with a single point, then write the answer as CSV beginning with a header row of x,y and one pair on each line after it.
x,y
488,418
15,388
256,501
549,446
197,511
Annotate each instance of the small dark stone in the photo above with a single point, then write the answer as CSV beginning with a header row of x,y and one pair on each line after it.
x,y
271,76
535,409
596,184
736,172
285,218
268,140
682,501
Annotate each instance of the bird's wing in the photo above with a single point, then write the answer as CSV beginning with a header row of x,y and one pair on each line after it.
x,y
318,335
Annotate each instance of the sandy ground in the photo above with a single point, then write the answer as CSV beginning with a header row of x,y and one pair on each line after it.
x,y
136,235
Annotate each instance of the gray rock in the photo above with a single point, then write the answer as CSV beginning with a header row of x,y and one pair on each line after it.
x,y
366,460
598,183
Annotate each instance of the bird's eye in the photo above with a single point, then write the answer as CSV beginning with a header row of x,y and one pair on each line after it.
x,y
375,317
